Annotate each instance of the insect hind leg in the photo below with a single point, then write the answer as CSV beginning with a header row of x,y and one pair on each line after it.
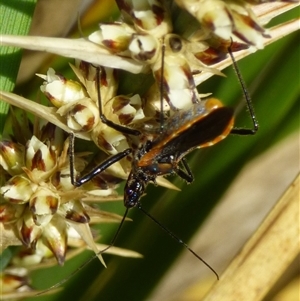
x,y
254,129
186,173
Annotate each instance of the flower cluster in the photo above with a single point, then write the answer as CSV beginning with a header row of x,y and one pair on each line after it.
x,y
38,199
225,19
39,206
147,37
79,105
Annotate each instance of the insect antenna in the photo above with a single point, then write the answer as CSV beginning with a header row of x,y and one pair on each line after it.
x,y
176,238
112,243
241,131
58,284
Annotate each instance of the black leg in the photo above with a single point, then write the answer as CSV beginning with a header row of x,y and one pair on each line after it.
x,y
98,169
242,131
185,174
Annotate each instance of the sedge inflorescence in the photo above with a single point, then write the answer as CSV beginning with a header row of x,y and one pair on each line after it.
x,y
40,208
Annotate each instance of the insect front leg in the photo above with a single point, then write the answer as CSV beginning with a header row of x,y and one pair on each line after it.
x,y
97,170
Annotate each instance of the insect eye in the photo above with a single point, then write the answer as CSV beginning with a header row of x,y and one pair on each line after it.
x,y
153,168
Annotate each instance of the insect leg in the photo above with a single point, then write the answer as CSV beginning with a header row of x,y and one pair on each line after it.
x,y
98,169
117,127
241,131
185,174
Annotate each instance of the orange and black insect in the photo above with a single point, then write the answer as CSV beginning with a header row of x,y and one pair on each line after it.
x,y
203,125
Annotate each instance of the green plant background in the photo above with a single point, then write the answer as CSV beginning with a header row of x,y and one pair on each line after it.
x,y
272,76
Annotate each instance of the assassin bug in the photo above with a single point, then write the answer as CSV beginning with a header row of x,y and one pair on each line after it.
x,y
204,124
165,154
